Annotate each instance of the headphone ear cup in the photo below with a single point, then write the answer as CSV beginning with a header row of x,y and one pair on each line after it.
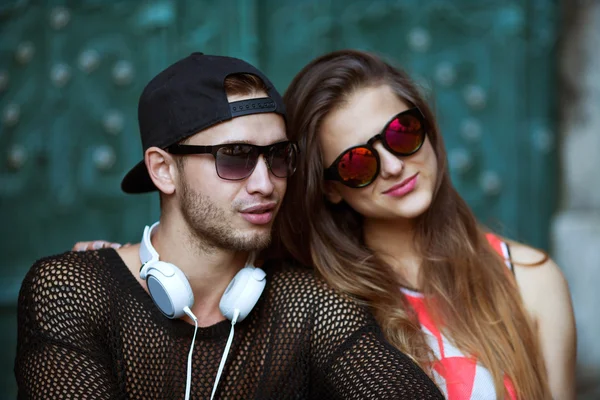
x,y
169,288
243,292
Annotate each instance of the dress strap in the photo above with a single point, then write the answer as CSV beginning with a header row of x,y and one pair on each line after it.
x,y
501,248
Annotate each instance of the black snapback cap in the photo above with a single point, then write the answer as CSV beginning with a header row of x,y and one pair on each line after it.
x,y
188,97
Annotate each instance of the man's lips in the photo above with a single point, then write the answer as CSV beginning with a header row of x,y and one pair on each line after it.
x,y
259,214
259,208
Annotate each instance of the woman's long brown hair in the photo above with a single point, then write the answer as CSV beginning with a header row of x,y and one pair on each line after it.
x,y
477,303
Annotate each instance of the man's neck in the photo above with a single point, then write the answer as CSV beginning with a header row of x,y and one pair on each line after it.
x,y
209,270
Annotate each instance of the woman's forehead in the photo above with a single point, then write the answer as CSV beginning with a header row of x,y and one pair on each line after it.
x,y
363,115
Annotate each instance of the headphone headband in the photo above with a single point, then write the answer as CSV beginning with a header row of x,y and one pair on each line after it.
x,y
147,251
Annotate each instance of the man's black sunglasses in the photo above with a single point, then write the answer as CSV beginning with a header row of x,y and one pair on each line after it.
x,y
236,161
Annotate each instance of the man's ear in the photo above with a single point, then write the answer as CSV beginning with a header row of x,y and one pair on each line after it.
x,y
332,193
162,169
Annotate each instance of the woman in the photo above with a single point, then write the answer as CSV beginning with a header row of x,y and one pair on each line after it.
x,y
388,227
372,207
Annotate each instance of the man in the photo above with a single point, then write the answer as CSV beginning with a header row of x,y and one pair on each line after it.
x,y
106,324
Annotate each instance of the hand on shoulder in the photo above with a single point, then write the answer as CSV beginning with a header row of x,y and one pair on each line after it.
x,y
96,245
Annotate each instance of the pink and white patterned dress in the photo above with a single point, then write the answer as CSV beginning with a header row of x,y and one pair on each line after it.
x,y
459,376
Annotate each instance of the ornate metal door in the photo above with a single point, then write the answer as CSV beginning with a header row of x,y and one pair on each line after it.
x,y
71,73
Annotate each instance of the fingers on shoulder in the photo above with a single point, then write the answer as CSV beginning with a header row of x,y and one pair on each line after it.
x,y
95,245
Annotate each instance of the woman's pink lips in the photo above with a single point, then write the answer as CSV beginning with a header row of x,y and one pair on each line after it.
x,y
403,188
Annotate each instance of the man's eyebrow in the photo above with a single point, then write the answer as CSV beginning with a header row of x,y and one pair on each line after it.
x,y
248,142
235,142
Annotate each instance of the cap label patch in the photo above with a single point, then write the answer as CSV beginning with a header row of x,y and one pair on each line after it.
x,y
252,106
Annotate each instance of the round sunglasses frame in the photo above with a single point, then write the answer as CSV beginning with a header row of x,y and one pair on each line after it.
x,y
188,149
332,172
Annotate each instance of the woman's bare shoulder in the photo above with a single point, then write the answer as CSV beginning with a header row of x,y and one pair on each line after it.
x,y
541,281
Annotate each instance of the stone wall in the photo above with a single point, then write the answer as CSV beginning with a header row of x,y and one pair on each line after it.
x,y
576,227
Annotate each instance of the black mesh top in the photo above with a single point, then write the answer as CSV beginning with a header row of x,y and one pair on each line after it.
x,y
88,329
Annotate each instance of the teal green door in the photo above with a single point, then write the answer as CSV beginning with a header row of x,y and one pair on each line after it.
x,y
71,73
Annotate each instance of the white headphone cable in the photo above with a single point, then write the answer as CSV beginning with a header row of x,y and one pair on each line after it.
x,y
188,382
236,314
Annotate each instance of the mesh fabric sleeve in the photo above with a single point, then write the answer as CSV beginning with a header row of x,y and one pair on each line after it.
x,y
367,367
357,361
60,349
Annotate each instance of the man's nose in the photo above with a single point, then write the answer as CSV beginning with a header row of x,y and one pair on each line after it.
x,y
260,181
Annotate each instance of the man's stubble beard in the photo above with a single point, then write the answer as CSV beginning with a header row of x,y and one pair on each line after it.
x,y
212,228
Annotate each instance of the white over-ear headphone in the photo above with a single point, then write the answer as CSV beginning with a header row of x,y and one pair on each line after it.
x,y
172,293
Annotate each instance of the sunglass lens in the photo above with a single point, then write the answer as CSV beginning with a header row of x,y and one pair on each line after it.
x,y
236,161
405,134
357,167
282,159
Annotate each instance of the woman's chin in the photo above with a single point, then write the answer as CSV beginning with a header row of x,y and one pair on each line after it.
x,y
413,207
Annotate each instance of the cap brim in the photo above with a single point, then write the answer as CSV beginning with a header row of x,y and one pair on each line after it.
x,y
137,180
